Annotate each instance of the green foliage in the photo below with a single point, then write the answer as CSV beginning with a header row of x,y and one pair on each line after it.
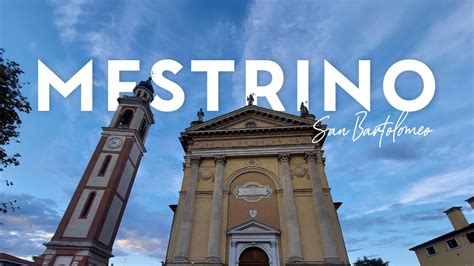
x,y
12,102
370,262
8,206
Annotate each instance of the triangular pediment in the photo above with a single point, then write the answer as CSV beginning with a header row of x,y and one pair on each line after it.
x,y
252,117
253,227
251,121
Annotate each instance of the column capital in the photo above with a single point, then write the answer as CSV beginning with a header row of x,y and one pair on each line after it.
x,y
283,157
195,160
220,159
310,156
320,151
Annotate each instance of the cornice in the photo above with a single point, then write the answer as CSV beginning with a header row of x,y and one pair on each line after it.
x,y
289,126
252,109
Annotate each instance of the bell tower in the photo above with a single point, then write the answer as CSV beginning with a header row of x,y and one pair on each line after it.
x,y
87,231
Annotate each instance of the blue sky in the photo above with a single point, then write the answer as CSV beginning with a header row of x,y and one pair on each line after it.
x,y
393,196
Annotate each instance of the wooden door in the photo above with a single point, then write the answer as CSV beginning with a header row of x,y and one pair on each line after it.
x,y
253,256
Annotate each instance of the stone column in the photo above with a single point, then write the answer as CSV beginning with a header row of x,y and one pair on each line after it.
x,y
186,225
322,213
215,229
294,242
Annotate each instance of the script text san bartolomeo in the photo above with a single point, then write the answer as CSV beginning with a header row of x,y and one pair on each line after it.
x,y
387,129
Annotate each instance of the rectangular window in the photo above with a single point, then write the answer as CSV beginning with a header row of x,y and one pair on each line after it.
x,y
105,165
452,243
430,251
470,237
87,206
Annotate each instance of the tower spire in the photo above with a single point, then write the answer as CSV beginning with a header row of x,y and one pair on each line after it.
x,y
144,90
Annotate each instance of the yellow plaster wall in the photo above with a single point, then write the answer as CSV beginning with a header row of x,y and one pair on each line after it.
x,y
341,247
267,208
283,241
236,163
309,230
174,233
200,231
300,182
463,255
322,174
207,165
187,172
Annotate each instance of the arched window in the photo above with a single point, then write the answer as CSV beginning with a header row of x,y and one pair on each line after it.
x,y
105,165
87,205
142,130
125,119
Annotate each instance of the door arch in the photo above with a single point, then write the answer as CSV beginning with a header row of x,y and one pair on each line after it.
x,y
253,256
253,234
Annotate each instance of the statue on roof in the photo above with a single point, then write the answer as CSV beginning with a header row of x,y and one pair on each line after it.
x,y
250,99
200,115
304,110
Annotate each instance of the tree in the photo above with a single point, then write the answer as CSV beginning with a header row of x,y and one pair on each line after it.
x,y
12,102
370,262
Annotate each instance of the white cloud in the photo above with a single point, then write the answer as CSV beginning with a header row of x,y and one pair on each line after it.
x,y
67,17
434,189
137,243
450,37
104,34
277,31
289,31
372,31
24,231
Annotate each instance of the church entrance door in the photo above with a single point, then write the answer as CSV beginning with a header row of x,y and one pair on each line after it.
x,y
253,256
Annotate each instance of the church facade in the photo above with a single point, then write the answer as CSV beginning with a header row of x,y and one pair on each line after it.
x,y
255,192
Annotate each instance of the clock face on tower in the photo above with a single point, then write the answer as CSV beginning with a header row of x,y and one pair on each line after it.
x,y
114,143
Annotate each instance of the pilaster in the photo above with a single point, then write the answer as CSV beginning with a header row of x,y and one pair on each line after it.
x,y
184,233
322,213
294,241
215,229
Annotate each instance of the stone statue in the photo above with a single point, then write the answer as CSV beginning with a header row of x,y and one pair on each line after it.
x,y
250,99
304,110
200,115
